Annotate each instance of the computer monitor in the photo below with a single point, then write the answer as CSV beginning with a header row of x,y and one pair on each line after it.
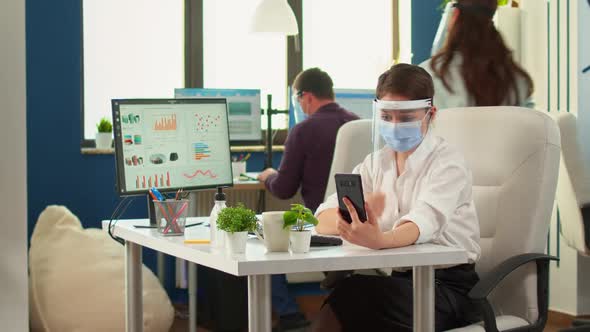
x,y
358,101
171,144
243,106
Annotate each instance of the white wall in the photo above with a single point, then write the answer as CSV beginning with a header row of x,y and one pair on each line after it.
x,y
583,80
14,310
569,282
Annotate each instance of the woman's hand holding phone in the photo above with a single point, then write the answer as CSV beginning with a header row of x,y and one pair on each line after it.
x,y
366,234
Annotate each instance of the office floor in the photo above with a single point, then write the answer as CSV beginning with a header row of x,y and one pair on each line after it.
x,y
310,304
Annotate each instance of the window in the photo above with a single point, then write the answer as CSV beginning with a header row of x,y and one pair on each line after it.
x,y
132,49
234,58
352,40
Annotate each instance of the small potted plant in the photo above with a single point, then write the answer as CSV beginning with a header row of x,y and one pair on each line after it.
x,y
104,136
236,222
296,219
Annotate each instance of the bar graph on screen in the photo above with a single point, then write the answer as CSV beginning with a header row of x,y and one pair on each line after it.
x,y
153,180
201,151
165,123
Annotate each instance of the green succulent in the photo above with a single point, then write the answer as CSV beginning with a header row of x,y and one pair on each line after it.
x,y
236,219
298,216
104,126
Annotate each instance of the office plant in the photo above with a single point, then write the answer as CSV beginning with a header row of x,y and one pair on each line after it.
x,y
297,218
236,222
104,137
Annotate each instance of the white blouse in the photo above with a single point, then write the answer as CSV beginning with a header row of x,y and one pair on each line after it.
x,y
460,97
434,192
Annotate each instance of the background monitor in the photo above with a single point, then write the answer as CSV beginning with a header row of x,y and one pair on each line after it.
x,y
358,101
243,106
171,144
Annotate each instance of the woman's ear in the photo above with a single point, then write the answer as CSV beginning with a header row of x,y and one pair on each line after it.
x,y
433,111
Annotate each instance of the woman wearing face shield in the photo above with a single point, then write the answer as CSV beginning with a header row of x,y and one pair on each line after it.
x,y
473,66
418,190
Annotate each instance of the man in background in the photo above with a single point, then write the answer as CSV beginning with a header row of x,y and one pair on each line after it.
x,y
305,164
310,145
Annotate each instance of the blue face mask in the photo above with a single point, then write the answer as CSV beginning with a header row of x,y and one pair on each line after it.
x,y
401,137
298,110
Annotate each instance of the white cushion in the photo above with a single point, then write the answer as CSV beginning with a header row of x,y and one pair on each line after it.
x,y
77,279
353,144
502,322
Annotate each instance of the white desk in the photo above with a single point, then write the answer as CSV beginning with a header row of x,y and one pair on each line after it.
x,y
258,265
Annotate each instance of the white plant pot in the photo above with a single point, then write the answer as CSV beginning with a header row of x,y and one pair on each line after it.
x,y
300,241
236,242
104,140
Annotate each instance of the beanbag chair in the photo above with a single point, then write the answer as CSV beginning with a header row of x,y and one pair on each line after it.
x,y
77,279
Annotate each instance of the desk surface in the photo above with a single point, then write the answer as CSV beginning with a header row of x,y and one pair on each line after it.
x,y
256,261
249,184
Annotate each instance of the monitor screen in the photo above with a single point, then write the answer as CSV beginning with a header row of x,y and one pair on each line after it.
x,y
358,101
171,144
243,107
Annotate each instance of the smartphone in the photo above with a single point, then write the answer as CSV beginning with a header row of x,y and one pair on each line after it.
x,y
351,187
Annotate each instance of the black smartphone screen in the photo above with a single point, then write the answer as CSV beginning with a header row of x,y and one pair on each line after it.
x,y
350,186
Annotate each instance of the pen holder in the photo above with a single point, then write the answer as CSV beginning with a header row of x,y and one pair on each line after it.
x,y
171,216
237,168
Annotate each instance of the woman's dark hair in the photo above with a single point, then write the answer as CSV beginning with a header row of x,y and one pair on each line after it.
x,y
410,81
315,81
488,69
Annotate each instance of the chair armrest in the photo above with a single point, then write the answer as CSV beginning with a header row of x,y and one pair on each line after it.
x,y
483,288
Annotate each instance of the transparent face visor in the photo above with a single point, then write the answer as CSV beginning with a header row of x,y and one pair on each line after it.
x,y
397,126
297,110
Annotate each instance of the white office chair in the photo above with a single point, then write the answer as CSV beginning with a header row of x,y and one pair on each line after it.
x,y
513,154
573,193
514,157
353,144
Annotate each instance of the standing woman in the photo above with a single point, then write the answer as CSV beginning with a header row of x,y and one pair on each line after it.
x,y
475,67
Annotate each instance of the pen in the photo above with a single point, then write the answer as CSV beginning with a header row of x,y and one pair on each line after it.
x,y
153,196
157,193
247,156
178,193
196,241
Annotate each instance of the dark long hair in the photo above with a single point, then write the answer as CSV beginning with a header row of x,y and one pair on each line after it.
x,y
488,69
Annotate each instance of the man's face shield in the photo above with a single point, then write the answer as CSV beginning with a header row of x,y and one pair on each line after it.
x,y
298,110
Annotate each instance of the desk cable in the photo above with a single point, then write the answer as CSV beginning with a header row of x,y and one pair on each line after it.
x,y
119,210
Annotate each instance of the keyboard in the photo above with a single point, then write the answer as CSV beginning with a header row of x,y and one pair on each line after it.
x,y
325,241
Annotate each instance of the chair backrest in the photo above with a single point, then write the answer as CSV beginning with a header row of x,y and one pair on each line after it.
x,y
514,155
573,186
353,144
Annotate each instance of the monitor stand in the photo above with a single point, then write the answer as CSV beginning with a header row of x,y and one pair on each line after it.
x,y
151,211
